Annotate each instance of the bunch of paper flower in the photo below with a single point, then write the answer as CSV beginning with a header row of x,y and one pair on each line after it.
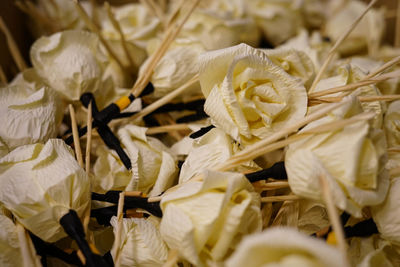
x,y
217,133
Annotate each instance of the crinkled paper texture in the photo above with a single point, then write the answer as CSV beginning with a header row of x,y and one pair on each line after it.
x,y
351,159
247,95
213,148
141,243
283,246
176,67
386,215
10,254
205,220
71,62
41,183
153,167
392,124
28,116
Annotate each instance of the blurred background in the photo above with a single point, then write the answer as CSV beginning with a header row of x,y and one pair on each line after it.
x,y
18,24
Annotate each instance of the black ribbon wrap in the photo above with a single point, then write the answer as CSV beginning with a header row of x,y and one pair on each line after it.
x,y
73,227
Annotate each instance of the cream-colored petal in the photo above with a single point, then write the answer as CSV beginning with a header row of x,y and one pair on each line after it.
x,y
71,62
283,247
42,188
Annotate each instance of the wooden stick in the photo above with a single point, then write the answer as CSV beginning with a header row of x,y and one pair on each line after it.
x,y
117,240
164,100
254,150
12,46
170,35
3,77
332,52
167,128
133,193
360,98
397,35
29,257
334,218
173,257
124,43
252,153
75,135
89,138
95,18
352,86
384,67
279,198
93,27
274,186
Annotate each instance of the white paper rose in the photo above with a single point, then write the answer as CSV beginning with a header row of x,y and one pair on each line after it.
x,y
351,159
141,243
367,34
213,148
153,167
348,74
205,220
278,19
176,67
71,62
40,183
277,247
294,62
28,116
247,95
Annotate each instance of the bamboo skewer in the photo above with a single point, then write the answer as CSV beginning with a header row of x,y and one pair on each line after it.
x,y
280,198
360,98
93,27
167,128
12,46
332,52
164,100
89,138
384,67
273,186
75,135
353,86
334,218
124,43
255,150
119,229
250,154
170,35
28,252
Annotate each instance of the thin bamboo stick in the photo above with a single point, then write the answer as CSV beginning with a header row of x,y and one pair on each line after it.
x,y
352,86
334,218
387,98
167,128
93,27
332,52
124,43
12,46
117,240
255,150
164,100
75,135
89,138
280,198
384,67
273,186
170,35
